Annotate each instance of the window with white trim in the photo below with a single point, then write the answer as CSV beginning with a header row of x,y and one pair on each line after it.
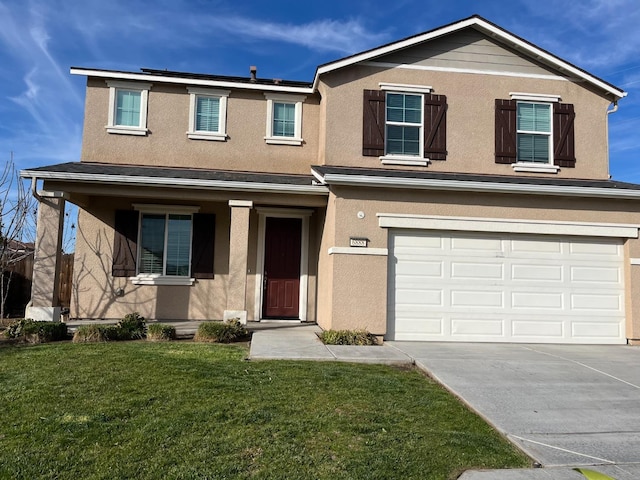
x,y
207,114
534,132
128,107
284,119
404,124
165,244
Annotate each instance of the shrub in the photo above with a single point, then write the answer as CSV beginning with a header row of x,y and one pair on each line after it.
x,y
41,332
221,332
14,330
37,331
348,337
132,326
97,333
160,332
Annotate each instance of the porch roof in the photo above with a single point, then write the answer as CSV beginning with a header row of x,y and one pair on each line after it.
x,y
101,173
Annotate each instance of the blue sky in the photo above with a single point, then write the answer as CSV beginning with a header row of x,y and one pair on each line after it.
x,y
41,109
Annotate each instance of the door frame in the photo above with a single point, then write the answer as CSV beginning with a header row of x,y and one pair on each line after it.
x,y
263,213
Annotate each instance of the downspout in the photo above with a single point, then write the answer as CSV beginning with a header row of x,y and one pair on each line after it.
x,y
34,188
610,111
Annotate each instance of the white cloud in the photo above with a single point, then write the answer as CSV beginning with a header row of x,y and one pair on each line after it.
x,y
595,34
346,37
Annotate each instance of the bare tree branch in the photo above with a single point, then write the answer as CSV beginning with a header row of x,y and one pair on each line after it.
x,y
17,221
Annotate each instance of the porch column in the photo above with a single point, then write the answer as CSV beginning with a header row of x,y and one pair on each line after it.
x,y
238,255
45,304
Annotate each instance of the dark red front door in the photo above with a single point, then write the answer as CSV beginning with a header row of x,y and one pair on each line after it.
x,y
281,296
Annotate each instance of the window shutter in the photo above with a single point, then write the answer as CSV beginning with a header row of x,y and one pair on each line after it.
x,y
505,131
124,243
435,127
202,245
564,147
373,123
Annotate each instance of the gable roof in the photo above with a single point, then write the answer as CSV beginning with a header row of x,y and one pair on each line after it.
x,y
491,30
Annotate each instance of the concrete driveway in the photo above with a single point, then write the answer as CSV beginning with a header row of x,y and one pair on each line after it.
x,y
563,404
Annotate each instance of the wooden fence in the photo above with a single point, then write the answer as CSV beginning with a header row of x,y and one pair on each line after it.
x,y
20,286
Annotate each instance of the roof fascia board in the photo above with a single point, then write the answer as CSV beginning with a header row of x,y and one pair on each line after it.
x,y
176,182
493,31
187,81
474,186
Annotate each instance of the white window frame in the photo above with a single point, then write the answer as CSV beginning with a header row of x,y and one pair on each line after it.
x,y
156,278
296,100
405,89
143,88
221,95
542,99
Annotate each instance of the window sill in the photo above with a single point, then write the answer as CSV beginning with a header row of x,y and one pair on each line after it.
x,y
402,160
283,141
161,280
535,167
120,130
220,137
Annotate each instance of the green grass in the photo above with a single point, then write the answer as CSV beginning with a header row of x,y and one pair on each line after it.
x,y
183,410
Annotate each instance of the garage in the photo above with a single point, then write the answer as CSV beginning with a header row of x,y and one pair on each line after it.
x,y
505,287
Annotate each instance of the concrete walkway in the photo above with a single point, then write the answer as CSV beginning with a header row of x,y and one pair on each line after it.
x,y
556,402
300,342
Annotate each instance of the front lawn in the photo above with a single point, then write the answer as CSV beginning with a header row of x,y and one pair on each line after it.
x,y
183,410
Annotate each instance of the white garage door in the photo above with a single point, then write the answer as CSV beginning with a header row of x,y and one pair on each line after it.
x,y
453,286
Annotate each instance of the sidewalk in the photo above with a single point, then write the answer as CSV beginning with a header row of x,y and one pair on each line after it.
x,y
300,342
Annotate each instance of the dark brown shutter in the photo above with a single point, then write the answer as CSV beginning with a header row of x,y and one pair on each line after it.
x,y
373,123
564,147
506,131
435,127
125,243
202,245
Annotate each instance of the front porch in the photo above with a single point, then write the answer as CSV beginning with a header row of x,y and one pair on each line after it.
x,y
176,243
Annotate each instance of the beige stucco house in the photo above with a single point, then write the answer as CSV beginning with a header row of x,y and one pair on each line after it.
x,y
451,186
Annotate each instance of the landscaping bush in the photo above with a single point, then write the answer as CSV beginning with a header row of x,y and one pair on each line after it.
x,y
41,332
348,337
98,333
14,330
160,332
221,332
132,326
37,331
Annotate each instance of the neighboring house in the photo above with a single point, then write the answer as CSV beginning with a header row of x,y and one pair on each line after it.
x,y
450,186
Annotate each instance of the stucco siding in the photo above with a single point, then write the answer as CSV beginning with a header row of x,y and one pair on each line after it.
x,y
348,269
94,288
470,118
167,143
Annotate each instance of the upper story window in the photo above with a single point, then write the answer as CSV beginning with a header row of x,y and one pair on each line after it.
x,y
404,125
207,114
128,107
284,119
535,133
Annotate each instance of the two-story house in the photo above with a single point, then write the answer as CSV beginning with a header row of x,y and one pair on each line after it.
x,y
450,186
